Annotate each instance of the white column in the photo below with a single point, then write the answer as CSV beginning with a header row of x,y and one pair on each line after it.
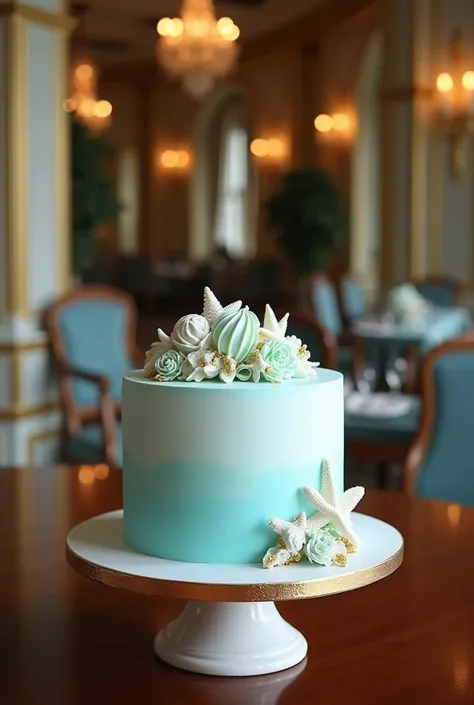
x,y
34,229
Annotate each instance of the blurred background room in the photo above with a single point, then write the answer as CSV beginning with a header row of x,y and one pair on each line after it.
x,y
313,154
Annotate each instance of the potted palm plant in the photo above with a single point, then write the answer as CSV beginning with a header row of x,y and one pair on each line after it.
x,y
94,203
308,214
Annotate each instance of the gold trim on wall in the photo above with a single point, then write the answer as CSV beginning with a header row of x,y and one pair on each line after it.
x,y
4,167
28,411
419,153
436,186
16,151
11,348
15,354
15,383
39,15
62,161
36,438
17,18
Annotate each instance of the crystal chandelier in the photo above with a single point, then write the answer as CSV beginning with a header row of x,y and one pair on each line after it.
x,y
83,100
196,47
96,114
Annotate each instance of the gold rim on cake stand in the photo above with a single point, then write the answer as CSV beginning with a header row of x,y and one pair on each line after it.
x,y
221,592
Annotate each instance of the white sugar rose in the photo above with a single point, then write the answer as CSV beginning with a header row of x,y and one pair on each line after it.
x,y
275,557
191,332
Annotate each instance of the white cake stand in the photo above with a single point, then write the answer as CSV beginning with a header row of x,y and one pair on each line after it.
x,y
230,626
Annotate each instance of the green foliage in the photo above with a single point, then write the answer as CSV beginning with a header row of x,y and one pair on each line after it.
x,y
308,213
93,200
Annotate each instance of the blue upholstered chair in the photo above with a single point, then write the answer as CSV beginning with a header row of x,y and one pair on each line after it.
x,y
92,332
352,298
324,302
440,464
439,290
325,306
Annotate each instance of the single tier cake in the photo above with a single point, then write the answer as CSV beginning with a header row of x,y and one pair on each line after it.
x,y
233,446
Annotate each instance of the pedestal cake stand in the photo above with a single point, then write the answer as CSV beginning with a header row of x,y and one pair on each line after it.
x,y
230,625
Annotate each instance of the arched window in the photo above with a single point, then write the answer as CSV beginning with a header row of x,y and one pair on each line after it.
x,y
224,208
230,231
366,193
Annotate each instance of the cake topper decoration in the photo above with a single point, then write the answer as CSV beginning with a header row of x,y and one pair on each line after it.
x,y
327,536
227,343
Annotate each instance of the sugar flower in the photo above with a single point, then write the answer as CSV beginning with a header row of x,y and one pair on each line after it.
x,y
208,364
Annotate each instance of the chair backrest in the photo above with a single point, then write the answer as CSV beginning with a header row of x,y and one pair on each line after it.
x,y
352,298
321,344
325,305
93,329
440,464
440,291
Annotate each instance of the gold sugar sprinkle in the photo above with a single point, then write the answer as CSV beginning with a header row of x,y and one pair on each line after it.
x,y
254,357
340,559
260,345
295,558
350,547
268,370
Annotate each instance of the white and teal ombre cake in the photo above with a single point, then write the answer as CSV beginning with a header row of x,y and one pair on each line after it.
x,y
228,425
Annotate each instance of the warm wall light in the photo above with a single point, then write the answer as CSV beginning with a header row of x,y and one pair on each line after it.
x,y
272,149
454,105
323,123
175,159
339,124
444,83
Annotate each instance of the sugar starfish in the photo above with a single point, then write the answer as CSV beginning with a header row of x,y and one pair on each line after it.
x,y
272,328
292,533
332,507
213,308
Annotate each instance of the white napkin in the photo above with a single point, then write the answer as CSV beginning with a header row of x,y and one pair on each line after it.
x,y
379,405
372,326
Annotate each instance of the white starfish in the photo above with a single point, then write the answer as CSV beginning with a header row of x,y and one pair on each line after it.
x,y
272,328
331,507
213,308
292,533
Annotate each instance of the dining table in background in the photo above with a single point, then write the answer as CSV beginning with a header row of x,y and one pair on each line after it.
x,y
384,339
408,638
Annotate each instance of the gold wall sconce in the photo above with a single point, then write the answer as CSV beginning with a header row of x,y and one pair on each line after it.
x,y
177,160
339,126
454,105
271,150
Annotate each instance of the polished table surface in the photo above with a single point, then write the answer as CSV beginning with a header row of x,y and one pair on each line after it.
x,y
64,640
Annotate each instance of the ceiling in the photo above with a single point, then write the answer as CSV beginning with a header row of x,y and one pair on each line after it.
x,y
120,31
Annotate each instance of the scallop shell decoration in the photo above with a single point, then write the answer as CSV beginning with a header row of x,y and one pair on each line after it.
x,y
235,333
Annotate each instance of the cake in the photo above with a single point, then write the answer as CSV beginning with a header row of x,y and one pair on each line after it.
x,y
233,446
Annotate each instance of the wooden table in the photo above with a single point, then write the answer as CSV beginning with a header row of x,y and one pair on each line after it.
x,y
66,641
